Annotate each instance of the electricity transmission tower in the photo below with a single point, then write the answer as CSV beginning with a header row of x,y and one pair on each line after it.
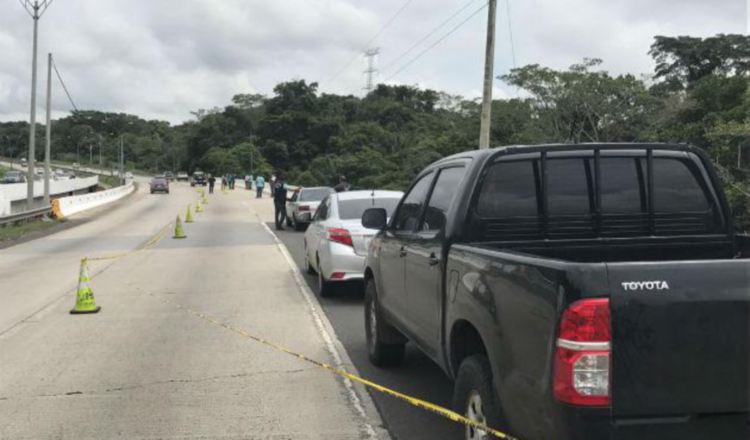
x,y
35,9
371,70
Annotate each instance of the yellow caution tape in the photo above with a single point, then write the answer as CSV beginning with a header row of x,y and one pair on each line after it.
x,y
419,403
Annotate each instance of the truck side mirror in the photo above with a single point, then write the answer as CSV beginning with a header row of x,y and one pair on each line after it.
x,y
374,218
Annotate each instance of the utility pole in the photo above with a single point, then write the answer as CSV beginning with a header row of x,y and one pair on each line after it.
x,y
48,133
489,62
36,10
371,70
122,161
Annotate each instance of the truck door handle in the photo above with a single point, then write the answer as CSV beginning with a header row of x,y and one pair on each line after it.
x,y
434,260
402,252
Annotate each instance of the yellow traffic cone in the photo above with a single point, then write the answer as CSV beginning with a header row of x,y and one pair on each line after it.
x,y
189,215
178,231
84,296
198,207
205,200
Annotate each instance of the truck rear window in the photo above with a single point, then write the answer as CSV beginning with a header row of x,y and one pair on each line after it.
x,y
510,202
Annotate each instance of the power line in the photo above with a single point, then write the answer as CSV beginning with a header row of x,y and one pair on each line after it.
x,y
423,39
440,40
377,34
57,72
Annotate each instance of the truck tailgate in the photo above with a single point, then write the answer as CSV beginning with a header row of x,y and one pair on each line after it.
x,y
680,335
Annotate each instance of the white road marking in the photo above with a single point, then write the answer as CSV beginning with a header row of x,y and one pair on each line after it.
x,y
323,325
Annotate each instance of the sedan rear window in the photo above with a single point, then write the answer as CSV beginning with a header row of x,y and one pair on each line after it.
x,y
314,195
353,209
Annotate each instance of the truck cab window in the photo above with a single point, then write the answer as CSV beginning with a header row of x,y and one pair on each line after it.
x,y
408,213
621,188
509,190
567,187
442,196
676,188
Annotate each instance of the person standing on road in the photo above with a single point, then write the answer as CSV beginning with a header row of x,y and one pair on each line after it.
x,y
342,186
279,201
211,182
260,183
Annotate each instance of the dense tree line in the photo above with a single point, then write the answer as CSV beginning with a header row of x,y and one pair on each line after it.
x,y
697,94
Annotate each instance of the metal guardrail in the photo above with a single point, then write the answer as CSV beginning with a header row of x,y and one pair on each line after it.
x,y
25,215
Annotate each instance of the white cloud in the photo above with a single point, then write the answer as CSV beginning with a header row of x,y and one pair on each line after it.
x,y
162,59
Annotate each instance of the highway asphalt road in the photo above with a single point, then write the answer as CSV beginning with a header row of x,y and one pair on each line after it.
x,y
418,376
151,365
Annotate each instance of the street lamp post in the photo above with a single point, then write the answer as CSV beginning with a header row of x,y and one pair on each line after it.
x,y
35,10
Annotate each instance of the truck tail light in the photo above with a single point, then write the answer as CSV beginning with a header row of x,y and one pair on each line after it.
x,y
582,358
340,235
302,208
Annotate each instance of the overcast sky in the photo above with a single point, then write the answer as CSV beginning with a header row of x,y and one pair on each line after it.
x,y
163,58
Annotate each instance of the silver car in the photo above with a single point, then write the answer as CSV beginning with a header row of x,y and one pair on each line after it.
x,y
301,206
336,242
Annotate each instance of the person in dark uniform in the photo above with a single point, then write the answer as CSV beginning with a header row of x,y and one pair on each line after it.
x,y
211,182
342,186
279,201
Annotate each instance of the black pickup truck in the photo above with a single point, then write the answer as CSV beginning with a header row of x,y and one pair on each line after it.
x,y
573,292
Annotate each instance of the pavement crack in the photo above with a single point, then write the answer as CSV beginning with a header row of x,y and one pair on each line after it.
x,y
167,382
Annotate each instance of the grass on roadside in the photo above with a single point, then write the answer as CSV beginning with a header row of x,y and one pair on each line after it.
x,y
13,232
3,170
109,181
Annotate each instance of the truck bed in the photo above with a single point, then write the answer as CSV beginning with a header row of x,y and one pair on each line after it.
x,y
647,249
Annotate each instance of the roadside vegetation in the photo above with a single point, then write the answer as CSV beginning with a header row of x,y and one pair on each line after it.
x,y
12,232
697,94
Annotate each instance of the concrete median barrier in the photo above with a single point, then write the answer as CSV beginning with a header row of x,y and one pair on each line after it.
x,y
66,206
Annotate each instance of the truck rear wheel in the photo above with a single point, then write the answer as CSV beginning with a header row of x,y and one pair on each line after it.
x,y
474,397
378,331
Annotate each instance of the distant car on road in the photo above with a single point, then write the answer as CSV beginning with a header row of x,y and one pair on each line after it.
x,y
182,176
160,184
336,242
302,205
169,175
76,165
14,177
129,175
198,178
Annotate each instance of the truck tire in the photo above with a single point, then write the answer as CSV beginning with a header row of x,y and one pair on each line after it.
x,y
298,226
378,331
474,396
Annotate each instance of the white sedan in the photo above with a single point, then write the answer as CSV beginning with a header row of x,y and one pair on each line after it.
x,y
336,242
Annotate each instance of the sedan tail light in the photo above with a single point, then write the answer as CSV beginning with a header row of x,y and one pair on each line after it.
x,y
340,235
582,357
303,208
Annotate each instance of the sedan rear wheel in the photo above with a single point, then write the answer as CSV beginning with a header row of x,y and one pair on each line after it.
x,y
308,267
324,286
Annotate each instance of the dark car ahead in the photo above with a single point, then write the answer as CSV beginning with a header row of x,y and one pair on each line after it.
x,y
198,178
169,175
159,184
574,292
